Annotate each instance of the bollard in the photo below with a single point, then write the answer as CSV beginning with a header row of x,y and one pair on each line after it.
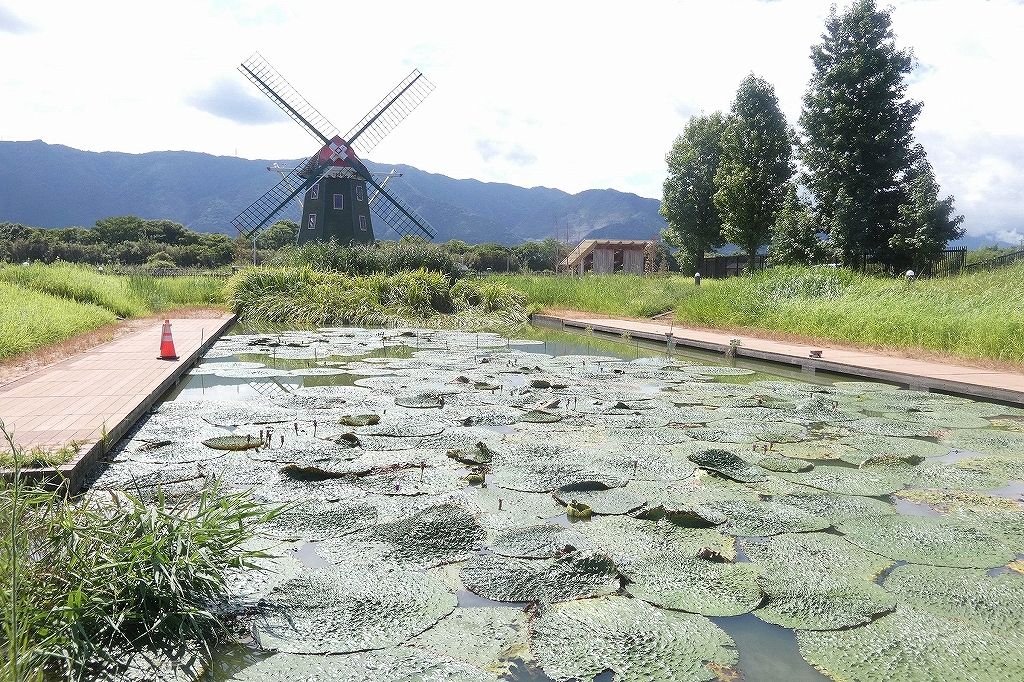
x,y
696,279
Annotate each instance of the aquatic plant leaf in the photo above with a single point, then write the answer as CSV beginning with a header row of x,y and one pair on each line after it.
x,y
172,662
783,464
815,449
944,419
402,425
915,645
960,501
354,608
868,482
965,474
972,595
401,664
317,519
628,540
638,642
866,446
930,541
762,518
440,534
887,427
541,541
481,636
728,464
235,413
571,576
694,584
420,400
600,498
475,454
359,419
246,586
818,581
540,417
836,507
233,442
988,441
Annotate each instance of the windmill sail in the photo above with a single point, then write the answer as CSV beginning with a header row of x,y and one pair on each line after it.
x,y
281,92
262,211
398,214
389,112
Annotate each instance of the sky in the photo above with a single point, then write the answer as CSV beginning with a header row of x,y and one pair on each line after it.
x,y
571,94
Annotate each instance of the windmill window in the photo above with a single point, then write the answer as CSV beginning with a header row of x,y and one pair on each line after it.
x,y
339,202
362,223
359,192
311,221
314,191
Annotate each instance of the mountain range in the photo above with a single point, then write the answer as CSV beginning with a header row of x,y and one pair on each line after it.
x,y
50,185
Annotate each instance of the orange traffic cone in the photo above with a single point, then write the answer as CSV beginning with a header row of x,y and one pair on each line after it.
x,y
167,343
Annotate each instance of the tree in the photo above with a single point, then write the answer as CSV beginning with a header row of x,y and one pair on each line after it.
x,y
688,203
281,233
795,235
857,128
926,223
755,168
119,229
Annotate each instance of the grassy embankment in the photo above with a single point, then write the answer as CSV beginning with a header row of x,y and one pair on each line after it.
x,y
45,304
979,315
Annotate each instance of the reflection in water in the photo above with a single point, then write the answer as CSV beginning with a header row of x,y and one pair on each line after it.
x,y
767,652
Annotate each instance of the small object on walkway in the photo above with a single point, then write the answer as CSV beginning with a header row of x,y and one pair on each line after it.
x,y
167,351
296,426
815,354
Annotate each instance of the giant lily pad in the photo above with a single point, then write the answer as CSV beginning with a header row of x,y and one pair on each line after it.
x,y
542,541
762,518
817,581
711,588
923,540
728,464
481,636
915,645
571,576
354,608
972,595
389,665
639,643
601,498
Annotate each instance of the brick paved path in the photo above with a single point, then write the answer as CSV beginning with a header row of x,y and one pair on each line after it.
x,y
73,399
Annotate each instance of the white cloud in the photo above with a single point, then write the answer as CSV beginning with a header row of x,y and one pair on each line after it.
x,y
572,94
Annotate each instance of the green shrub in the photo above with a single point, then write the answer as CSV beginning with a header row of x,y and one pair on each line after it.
x,y
367,259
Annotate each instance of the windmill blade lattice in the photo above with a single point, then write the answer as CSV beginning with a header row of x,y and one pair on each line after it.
x,y
398,214
253,219
389,112
281,92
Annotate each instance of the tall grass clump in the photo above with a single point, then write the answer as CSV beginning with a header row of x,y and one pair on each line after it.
x,y
29,319
85,583
628,295
269,297
367,259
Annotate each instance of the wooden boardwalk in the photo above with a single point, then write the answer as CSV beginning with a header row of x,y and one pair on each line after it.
x,y
974,382
106,387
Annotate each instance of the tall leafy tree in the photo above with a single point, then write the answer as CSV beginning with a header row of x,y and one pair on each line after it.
x,y
926,223
795,237
756,166
857,125
688,203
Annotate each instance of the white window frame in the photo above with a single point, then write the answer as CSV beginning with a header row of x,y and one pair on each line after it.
x,y
359,192
311,221
339,198
362,223
314,191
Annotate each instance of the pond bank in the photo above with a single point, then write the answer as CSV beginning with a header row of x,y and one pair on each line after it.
x,y
96,396
925,375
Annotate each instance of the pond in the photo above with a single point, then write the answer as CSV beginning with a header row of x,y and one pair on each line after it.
x,y
554,506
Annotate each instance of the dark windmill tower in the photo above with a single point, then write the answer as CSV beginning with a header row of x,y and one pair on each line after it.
x,y
338,192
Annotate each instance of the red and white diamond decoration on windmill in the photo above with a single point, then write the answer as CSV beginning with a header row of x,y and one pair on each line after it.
x,y
336,153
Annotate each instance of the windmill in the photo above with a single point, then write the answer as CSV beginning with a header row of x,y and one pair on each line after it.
x,y
333,182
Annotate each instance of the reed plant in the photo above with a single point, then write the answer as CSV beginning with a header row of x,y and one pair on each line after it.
x,y
85,581
367,259
29,319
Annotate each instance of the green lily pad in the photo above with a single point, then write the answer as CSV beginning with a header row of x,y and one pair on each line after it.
x,y
836,507
571,576
440,534
930,541
317,519
915,645
542,541
628,540
869,445
359,419
728,464
486,637
878,426
869,482
600,498
638,642
817,581
989,441
972,595
249,442
349,609
762,518
710,588
389,665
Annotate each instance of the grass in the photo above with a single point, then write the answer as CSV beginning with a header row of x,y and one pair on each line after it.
x,y
979,315
85,581
304,297
45,304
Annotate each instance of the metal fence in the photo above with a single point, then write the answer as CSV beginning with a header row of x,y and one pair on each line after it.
x,y
997,262
720,267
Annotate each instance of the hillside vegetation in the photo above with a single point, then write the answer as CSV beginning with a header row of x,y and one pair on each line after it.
x,y
980,315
